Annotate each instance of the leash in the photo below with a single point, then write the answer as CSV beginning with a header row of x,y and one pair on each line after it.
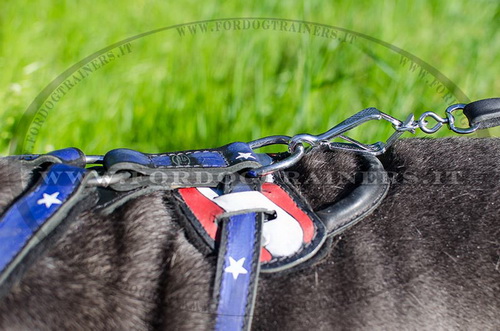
x,y
234,201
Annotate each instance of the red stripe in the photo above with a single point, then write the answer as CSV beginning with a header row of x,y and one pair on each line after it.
x,y
203,209
276,194
265,256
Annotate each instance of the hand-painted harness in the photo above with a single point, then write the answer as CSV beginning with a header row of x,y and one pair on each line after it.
x,y
233,201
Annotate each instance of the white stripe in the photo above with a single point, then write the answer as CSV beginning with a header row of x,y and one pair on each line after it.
x,y
208,192
282,236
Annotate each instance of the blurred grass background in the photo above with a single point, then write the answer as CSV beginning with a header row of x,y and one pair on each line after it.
x,y
174,92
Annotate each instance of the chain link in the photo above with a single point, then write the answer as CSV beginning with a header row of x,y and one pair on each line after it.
x,y
296,143
423,124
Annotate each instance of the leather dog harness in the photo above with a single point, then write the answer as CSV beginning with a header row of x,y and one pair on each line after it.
x,y
234,202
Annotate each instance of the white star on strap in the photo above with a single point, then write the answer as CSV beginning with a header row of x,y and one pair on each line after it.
x,y
245,156
49,200
236,267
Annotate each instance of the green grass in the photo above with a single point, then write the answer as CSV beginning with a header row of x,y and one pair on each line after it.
x,y
174,92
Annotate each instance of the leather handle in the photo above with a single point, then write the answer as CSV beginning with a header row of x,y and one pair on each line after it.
x,y
361,202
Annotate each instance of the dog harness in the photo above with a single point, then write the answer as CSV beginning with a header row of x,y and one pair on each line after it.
x,y
233,202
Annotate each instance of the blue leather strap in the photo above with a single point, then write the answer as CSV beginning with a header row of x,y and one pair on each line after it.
x,y
238,269
72,156
36,214
228,156
182,169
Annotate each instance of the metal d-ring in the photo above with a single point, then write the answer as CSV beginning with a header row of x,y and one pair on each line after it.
x,y
451,120
94,159
294,157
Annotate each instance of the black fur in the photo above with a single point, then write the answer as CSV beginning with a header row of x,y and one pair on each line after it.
x,y
427,258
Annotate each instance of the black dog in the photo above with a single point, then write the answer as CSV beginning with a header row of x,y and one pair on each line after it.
x,y
427,258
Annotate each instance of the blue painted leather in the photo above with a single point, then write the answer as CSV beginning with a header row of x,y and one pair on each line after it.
x,y
208,158
71,155
234,293
242,233
24,219
68,155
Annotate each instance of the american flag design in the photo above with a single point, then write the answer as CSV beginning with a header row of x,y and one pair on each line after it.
x,y
294,233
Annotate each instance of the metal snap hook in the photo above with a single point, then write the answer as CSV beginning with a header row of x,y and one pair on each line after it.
x,y
296,143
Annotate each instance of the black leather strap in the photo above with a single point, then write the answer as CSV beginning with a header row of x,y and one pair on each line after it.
x,y
362,200
484,113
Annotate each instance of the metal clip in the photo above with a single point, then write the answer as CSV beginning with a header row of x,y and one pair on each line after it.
x,y
337,131
296,143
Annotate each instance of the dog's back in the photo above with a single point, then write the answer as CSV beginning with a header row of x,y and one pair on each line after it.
x,y
427,258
